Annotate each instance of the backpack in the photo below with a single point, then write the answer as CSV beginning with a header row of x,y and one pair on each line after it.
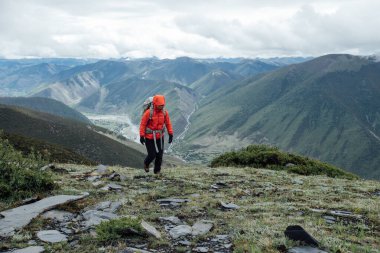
x,y
148,105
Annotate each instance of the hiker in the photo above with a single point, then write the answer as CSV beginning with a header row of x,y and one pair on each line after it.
x,y
152,128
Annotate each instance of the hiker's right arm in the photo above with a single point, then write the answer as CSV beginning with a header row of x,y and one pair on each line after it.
x,y
144,122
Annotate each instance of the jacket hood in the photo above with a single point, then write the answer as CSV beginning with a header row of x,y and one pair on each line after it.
x,y
159,100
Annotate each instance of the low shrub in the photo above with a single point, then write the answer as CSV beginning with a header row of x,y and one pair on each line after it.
x,y
262,156
20,176
116,229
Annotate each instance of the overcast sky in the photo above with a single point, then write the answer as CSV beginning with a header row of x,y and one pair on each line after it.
x,y
195,28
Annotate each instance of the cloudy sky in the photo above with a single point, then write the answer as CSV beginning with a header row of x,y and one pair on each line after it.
x,y
196,28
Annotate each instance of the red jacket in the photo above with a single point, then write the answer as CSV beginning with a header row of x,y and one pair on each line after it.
x,y
158,119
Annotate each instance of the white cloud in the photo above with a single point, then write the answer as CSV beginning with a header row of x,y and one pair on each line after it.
x,y
171,28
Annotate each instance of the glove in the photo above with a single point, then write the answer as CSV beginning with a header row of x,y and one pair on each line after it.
x,y
170,138
142,140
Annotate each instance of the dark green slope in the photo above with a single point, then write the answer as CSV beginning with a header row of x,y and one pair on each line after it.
x,y
327,108
49,151
45,105
70,134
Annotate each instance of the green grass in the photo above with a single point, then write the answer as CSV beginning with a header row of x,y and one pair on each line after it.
x,y
49,151
114,230
269,202
262,156
20,176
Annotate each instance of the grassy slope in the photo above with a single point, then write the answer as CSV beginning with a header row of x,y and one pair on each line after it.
x,y
49,151
69,134
269,202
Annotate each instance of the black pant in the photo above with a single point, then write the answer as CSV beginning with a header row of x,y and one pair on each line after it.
x,y
152,154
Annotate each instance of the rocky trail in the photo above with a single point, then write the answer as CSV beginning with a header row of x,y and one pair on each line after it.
x,y
191,209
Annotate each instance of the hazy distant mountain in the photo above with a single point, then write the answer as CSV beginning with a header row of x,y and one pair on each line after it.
x,y
25,79
213,81
45,105
327,108
72,135
74,85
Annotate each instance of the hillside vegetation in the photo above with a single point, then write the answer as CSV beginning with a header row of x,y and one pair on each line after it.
x,y
261,156
20,176
268,201
49,152
73,135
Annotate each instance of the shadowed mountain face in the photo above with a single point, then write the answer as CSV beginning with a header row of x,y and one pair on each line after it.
x,y
46,105
69,134
327,108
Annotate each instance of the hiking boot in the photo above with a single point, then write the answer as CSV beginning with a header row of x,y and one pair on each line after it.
x,y
146,167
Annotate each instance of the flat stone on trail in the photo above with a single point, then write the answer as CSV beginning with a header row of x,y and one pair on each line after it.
x,y
202,227
201,249
101,169
52,236
150,229
112,186
31,249
172,200
306,249
95,217
181,230
58,215
173,219
229,206
16,218
103,205
134,250
114,207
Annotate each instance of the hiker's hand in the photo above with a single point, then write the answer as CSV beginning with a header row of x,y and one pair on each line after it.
x,y
142,140
170,138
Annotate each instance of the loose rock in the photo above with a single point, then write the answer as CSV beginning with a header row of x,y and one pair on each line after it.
x,y
201,249
134,250
95,217
179,231
306,249
229,206
173,219
202,227
52,236
31,249
150,229
58,215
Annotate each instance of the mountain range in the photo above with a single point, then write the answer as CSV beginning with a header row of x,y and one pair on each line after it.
x,y
325,107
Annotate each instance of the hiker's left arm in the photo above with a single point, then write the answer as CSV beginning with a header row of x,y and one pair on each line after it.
x,y
168,124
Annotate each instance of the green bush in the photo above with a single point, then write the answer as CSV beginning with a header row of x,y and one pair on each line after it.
x,y
20,176
113,230
262,156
